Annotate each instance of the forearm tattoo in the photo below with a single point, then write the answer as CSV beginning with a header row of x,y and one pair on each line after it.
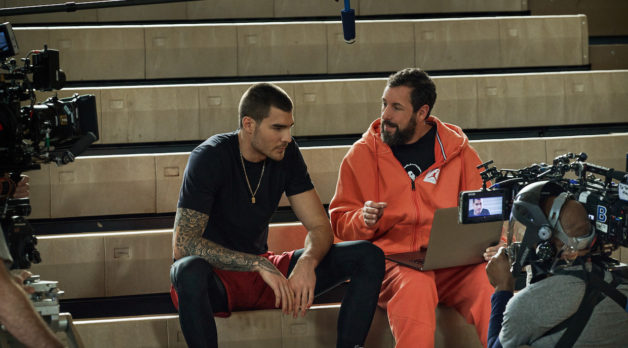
x,y
189,226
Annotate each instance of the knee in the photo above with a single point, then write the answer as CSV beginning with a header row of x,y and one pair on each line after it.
x,y
371,258
190,272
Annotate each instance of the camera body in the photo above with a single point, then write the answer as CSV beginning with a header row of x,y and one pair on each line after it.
x,y
56,130
607,211
52,131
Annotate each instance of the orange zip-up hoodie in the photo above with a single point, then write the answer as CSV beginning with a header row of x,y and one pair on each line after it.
x,y
370,171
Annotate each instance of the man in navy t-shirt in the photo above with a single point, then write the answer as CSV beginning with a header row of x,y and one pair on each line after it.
x,y
232,185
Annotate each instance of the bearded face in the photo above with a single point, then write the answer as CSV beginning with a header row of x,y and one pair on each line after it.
x,y
393,135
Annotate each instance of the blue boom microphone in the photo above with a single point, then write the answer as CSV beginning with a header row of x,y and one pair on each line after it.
x,y
348,23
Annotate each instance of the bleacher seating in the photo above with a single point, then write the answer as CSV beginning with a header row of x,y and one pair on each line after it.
x,y
137,184
605,19
174,73
261,49
126,263
140,114
263,328
607,27
234,9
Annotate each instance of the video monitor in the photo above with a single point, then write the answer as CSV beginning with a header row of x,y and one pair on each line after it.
x,y
481,206
8,44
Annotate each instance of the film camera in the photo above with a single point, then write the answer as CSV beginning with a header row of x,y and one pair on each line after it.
x,y
56,130
602,191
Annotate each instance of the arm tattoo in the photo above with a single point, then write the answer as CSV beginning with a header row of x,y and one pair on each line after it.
x,y
189,226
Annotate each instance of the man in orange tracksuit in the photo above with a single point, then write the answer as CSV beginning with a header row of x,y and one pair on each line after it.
x,y
407,165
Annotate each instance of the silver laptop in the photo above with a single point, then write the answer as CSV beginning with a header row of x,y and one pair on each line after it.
x,y
452,244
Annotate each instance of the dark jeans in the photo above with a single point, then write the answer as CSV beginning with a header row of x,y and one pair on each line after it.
x,y
201,292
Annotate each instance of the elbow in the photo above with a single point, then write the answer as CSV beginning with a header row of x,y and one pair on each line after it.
x,y
339,231
330,238
326,233
179,250
177,253
188,246
353,228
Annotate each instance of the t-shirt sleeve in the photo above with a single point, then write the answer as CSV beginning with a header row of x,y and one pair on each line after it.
x,y
201,179
498,304
298,179
519,324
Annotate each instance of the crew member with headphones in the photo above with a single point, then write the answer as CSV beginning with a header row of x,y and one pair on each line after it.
x,y
573,299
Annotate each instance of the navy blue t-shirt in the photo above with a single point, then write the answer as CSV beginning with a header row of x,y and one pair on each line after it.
x,y
214,184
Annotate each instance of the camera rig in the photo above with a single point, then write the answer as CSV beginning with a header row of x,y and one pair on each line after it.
x,y
602,191
56,130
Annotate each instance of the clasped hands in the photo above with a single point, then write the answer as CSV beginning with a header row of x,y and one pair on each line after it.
x,y
294,294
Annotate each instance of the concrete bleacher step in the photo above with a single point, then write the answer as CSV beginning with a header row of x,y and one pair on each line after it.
x,y
133,52
609,56
144,184
606,18
607,25
232,9
264,329
166,113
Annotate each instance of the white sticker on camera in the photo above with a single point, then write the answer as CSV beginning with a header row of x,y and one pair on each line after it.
x,y
623,192
602,227
583,197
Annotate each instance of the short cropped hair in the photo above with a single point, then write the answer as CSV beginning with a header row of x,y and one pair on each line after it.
x,y
423,88
258,99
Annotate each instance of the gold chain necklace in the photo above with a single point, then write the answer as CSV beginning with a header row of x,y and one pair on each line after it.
x,y
253,193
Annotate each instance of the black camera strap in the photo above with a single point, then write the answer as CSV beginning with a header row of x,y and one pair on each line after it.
x,y
576,323
610,289
596,290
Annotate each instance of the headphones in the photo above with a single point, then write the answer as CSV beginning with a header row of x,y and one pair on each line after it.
x,y
540,228
546,250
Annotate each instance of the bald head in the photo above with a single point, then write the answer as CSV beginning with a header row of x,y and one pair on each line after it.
x,y
573,217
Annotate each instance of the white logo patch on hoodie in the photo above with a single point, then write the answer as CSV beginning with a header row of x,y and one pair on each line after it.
x,y
432,176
